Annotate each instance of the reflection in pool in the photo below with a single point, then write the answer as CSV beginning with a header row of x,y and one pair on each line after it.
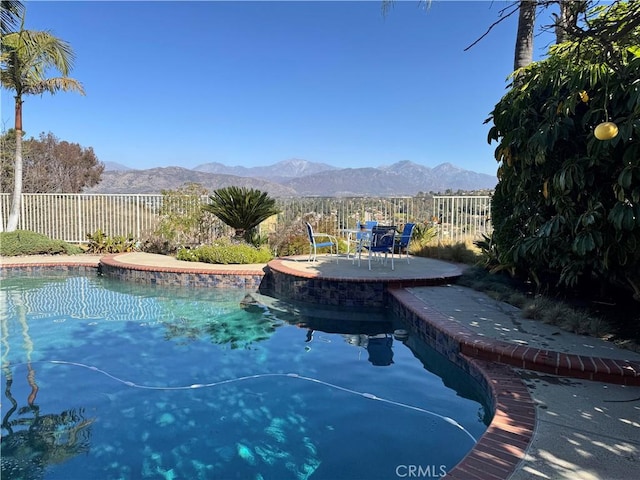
x,y
105,379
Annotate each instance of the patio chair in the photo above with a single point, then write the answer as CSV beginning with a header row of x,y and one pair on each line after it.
x,y
402,242
383,239
314,244
362,236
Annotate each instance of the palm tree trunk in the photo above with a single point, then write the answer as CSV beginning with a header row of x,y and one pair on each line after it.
x,y
524,39
12,222
567,19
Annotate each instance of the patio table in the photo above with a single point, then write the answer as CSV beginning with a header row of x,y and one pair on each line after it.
x,y
351,234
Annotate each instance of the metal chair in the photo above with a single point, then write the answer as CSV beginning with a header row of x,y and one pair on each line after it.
x,y
402,242
362,236
314,244
383,239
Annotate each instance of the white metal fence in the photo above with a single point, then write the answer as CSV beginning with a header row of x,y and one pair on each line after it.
x,y
70,217
461,218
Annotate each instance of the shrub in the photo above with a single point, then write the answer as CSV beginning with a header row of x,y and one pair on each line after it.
x,y
183,221
243,209
457,252
226,252
566,210
424,233
100,242
23,242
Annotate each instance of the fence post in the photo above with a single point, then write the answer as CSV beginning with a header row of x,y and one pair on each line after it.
x,y
137,207
80,215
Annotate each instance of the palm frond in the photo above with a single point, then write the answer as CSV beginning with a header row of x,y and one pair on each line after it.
x,y
241,208
53,85
11,13
40,47
27,57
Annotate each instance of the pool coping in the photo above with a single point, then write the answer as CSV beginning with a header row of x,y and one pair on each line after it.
x,y
173,274
498,452
600,369
503,446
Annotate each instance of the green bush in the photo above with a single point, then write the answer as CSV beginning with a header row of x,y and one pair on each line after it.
x,y
566,210
183,221
23,242
243,209
100,242
224,252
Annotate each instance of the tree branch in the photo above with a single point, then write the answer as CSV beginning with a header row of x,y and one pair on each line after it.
x,y
515,7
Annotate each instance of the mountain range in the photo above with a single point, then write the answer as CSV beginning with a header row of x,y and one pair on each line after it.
x,y
297,177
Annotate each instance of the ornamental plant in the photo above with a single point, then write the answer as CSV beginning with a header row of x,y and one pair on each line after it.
x,y
225,251
183,220
566,210
24,242
243,209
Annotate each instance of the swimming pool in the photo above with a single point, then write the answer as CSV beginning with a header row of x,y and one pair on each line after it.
x,y
106,379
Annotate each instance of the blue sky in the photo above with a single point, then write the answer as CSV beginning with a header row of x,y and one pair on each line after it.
x,y
255,83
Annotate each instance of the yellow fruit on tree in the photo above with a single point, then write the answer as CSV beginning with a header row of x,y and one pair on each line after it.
x,y
606,131
584,96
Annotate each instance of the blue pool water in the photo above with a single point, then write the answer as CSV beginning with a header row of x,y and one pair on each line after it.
x,y
109,380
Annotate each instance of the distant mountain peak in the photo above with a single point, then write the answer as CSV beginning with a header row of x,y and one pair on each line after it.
x,y
404,162
291,168
299,177
297,167
115,167
294,161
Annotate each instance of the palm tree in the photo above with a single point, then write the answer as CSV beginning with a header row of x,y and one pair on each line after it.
x,y
564,23
526,25
11,12
524,38
26,57
242,209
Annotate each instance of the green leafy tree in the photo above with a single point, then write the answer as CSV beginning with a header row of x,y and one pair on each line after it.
x,y
27,56
242,209
566,210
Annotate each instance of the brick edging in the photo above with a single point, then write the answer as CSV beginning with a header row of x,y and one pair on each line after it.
x,y
620,372
41,268
279,265
503,445
111,261
83,264
399,281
